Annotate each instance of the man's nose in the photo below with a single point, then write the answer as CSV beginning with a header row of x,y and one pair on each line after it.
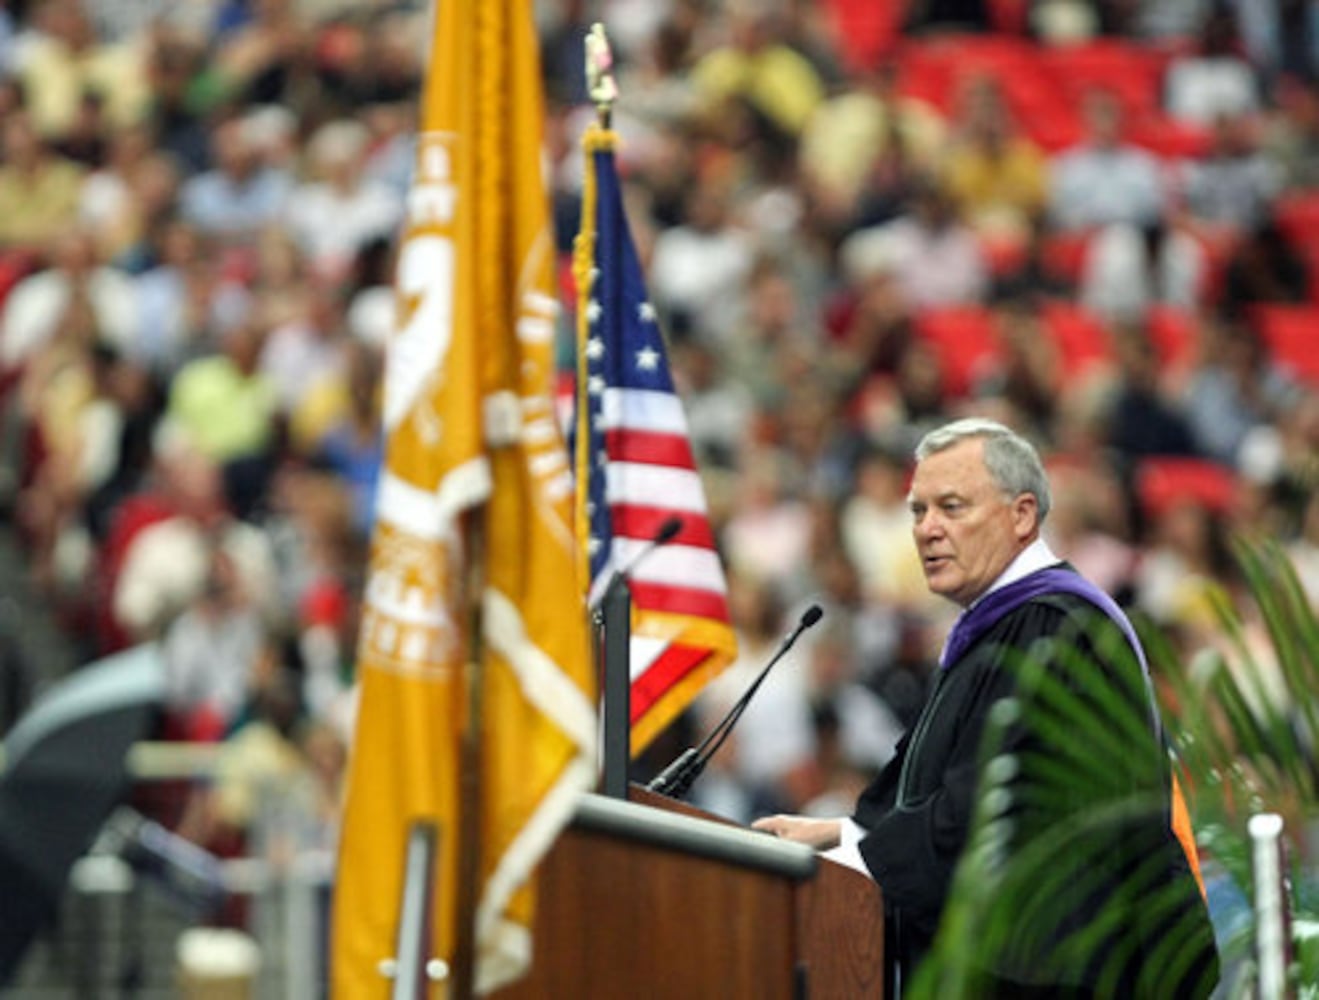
x,y
928,525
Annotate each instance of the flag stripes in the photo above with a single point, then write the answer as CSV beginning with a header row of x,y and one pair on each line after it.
x,y
644,447
680,490
644,409
681,600
672,665
638,521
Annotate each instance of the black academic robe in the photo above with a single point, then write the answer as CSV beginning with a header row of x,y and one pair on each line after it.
x,y
918,811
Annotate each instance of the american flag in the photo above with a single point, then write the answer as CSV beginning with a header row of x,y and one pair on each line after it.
x,y
637,469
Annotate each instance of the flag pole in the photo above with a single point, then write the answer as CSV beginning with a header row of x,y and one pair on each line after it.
x,y
463,972
615,618
470,757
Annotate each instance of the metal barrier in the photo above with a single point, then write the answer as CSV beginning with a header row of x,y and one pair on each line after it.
x,y
142,909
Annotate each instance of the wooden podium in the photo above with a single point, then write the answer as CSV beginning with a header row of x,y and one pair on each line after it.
x,y
654,898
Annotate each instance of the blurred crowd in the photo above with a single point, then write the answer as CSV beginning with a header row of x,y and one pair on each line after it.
x,y
1097,221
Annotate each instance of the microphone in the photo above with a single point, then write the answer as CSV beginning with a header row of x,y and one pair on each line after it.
x,y
663,535
677,778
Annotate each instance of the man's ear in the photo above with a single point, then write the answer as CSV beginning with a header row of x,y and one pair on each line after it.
x,y
1025,516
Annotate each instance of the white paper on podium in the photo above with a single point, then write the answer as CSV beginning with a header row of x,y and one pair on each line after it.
x,y
848,851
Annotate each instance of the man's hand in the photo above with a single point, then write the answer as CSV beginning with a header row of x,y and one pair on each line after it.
x,y
821,834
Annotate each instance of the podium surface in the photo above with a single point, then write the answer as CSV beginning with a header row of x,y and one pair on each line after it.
x,y
654,898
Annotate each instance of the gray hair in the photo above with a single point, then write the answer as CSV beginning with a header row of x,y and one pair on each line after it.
x,y
1012,461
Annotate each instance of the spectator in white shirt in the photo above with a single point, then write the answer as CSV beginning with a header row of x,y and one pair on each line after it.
x,y
38,304
936,256
1234,185
1105,180
339,211
1216,80
699,268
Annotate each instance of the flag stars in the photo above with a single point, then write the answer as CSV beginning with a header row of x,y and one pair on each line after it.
x,y
595,385
648,359
593,545
595,349
593,311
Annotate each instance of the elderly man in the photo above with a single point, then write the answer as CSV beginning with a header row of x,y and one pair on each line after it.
x,y
978,498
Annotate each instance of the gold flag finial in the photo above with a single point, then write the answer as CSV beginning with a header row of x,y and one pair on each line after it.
x,y
600,72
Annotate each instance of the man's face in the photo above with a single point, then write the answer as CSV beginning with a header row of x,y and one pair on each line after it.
x,y
966,530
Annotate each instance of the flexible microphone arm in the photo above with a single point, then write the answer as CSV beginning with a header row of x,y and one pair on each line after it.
x,y
665,534
677,778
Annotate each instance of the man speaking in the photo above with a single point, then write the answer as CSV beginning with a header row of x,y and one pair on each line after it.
x,y
978,498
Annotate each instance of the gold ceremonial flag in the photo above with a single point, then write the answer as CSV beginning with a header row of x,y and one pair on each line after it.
x,y
473,526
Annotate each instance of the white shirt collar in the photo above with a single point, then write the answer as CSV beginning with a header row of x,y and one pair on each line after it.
x,y
1035,556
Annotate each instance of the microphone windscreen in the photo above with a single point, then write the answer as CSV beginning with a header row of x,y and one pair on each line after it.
x,y
668,530
812,615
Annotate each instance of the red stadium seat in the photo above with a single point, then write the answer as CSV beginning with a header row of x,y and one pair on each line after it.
x,y
1292,336
936,69
1175,334
1009,17
1045,114
1128,72
966,341
1081,336
1164,481
1003,252
865,32
923,77
1064,254
1298,218
1168,138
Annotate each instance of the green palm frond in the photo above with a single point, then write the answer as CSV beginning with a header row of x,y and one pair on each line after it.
x,y
1248,744
1292,624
